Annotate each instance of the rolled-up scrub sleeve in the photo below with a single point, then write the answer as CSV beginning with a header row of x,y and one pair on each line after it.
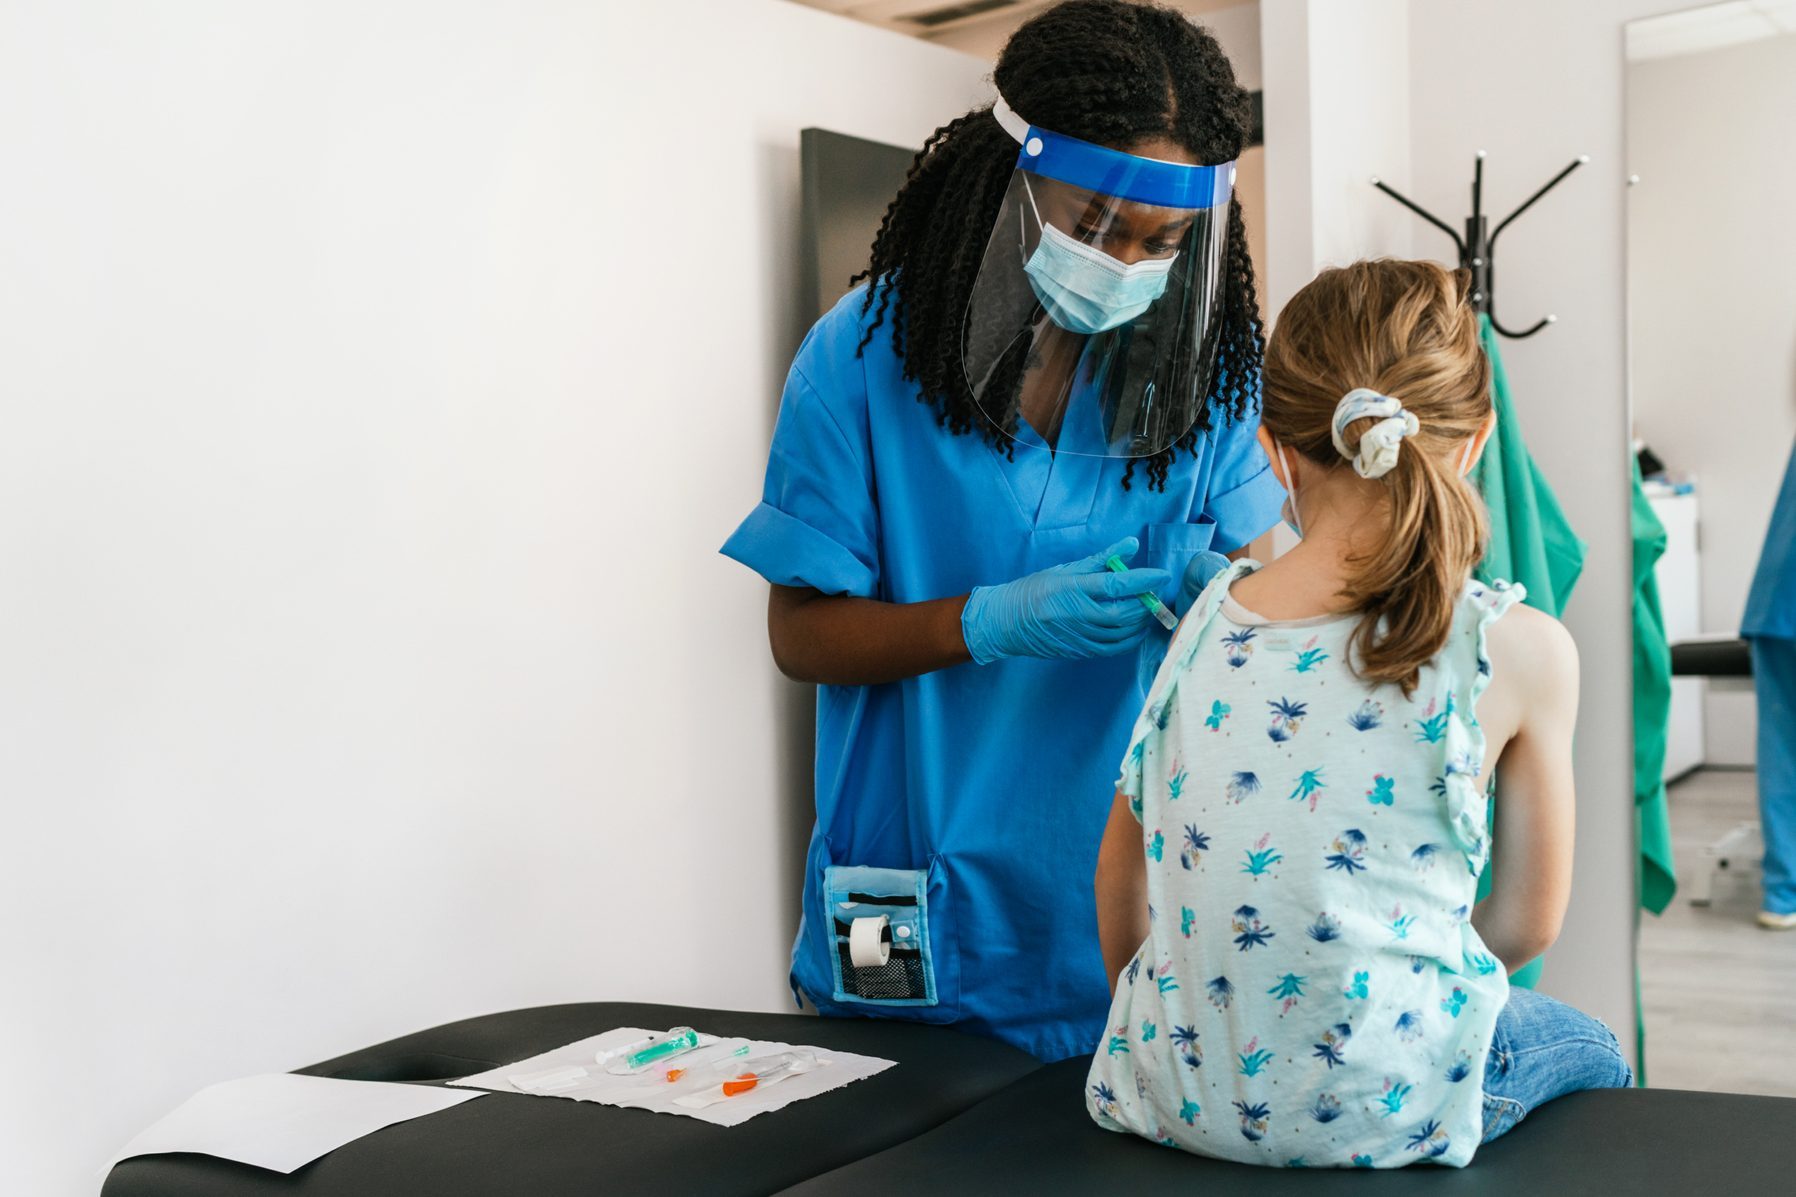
x,y
1245,498
817,524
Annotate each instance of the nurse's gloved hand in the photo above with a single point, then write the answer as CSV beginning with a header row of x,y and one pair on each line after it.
x,y
1199,571
1080,609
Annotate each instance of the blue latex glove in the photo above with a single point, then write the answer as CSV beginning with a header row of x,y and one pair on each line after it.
x,y
1071,611
1199,572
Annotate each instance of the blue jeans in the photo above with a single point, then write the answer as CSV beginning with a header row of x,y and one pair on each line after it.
x,y
1544,1049
1774,677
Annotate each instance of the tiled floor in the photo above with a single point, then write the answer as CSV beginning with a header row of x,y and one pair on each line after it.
x,y
1719,994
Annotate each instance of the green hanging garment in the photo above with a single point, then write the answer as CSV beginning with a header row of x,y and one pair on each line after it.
x,y
1530,540
1532,543
1652,709
1652,715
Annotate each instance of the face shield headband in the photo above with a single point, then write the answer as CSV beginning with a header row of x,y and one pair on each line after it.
x,y
1111,172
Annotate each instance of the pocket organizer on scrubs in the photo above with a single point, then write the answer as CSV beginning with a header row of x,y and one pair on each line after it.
x,y
881,924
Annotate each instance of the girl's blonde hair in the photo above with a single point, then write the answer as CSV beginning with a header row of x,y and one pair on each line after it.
x,y
1403,329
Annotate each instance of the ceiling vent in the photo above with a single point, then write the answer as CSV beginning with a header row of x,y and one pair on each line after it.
x,y
949,14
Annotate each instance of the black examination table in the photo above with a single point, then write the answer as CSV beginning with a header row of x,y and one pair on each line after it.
x,y
1036,1138
511,1144
958,1115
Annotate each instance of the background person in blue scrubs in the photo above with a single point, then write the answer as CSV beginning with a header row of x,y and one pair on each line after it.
x,y
935,545
1769,625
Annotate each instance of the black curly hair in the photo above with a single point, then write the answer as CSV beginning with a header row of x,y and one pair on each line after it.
x,y
1109,72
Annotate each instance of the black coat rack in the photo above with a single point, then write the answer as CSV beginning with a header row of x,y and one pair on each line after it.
x,y
1480,242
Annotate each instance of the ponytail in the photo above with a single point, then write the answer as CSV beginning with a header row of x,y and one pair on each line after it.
x,y
1403,332
1408,586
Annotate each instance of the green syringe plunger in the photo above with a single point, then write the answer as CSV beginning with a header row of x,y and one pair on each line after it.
x,y
1148,598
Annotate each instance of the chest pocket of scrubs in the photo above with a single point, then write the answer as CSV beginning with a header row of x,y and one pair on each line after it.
x,y
908,977
1180,540
1171,546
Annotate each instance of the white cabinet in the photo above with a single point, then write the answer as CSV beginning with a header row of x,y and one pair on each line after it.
x,y
1680,589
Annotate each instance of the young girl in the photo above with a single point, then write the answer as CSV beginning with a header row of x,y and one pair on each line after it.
x,y
1302,977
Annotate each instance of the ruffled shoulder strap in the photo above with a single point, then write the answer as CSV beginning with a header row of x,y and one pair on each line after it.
x,y
1190,636
1465,666
1186,642
1482,604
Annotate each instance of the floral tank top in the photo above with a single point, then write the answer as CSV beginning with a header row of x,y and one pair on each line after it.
x,y
1311,992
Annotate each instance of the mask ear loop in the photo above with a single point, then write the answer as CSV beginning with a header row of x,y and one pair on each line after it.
x,y
1022,229
1465,464
1290,488
1040,224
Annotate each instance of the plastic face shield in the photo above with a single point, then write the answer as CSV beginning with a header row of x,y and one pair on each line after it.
x,y
1092,324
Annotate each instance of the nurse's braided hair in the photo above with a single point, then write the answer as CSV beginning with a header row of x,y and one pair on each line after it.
x,y
1104,71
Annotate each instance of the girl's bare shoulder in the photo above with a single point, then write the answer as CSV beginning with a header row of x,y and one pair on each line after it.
x,y
1532,652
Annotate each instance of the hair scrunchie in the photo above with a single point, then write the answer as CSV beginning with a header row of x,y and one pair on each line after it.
x,y
1379,444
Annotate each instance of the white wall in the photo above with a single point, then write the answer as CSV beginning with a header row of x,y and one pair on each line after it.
x,y
380,379
1357,88
1337,113
1535,83
1336,75
1711,256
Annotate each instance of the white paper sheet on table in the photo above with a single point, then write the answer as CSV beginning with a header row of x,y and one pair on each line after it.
x,y
283,1121
649,1092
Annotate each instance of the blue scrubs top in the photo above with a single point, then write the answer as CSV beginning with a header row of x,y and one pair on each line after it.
x,y
1771,603
967,804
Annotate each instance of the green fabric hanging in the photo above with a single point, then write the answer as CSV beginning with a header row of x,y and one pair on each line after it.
x,y
1652,709
1531,541
1654,875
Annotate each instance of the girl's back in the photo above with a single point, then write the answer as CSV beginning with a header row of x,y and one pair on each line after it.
x,y
1311,990
1302,978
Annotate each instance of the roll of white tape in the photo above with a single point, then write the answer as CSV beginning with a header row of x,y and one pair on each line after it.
x,y
870,942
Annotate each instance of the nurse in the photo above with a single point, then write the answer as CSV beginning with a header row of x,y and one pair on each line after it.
x,y
1770,627
1056,358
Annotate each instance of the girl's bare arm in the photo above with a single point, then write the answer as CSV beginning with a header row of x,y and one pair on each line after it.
x,y
1121,886
1535,806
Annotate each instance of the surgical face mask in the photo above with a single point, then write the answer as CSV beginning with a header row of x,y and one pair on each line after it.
x,y
1084,289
